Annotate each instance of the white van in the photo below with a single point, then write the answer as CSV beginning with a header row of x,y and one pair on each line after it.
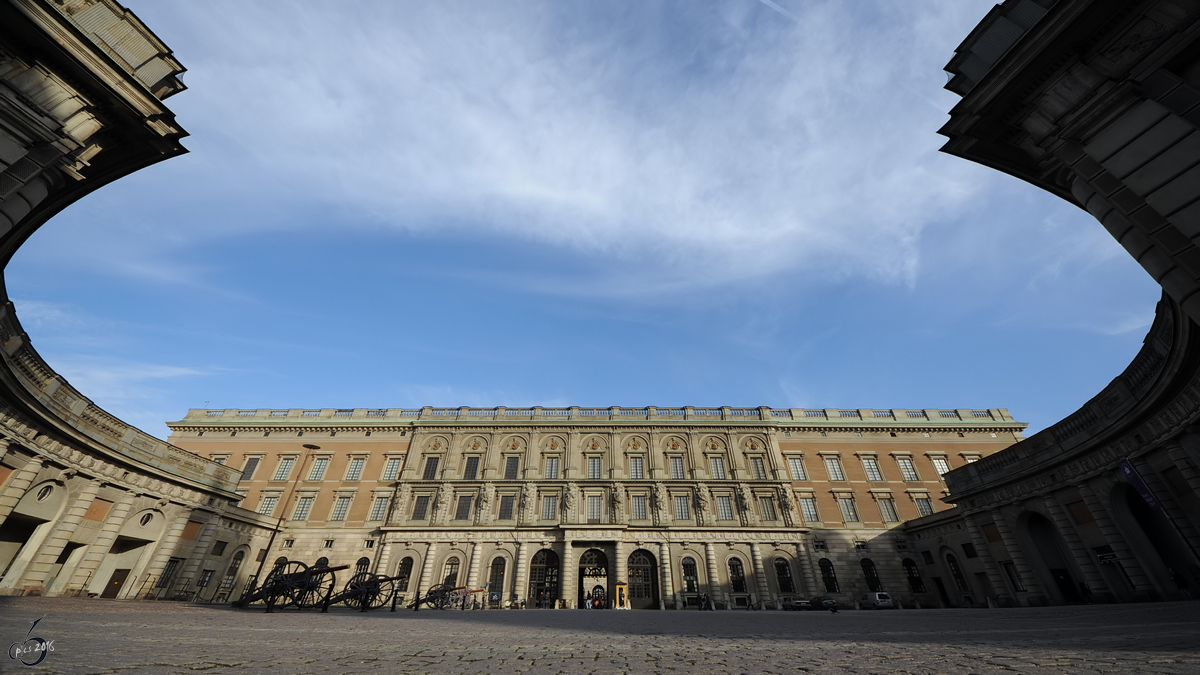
x,y
877,601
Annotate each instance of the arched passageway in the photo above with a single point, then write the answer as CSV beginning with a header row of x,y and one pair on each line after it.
x,y
643,580
543,579
1052,552
593,578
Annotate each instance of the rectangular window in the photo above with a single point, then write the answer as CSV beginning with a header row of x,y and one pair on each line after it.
x,y
796,465
549,507
1079,511
506,507
218,548
849,510
219,460
511,465
164,579
834,466
205,577
303,506
421,508
940,464
681,508
639,507
251,465
593,508
924,506
328,543
887,508
637,468
757,470
717,464
318,468
1013,578
969,550
724,508
340,507
991,532
431,464
808,508
593,464
767,506
907,469
552,468
871,466
677,468
356,467
379,508
472,469
285,467
368,543
267,505
463,512
391,470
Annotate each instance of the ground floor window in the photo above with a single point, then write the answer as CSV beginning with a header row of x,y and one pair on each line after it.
x,y
737,576
783,574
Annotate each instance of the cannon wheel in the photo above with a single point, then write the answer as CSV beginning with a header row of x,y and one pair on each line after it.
x,y
387,588
284,581
362,589
313,589
445,596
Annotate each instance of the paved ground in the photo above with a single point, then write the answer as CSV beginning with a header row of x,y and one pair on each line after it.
x,y
96,636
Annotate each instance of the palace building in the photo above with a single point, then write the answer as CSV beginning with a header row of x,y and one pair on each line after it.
x,y
554,505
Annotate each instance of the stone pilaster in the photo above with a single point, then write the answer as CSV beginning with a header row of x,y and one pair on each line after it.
x,y
1142,588
426,569
473,569
199,550
666,589
995,577
1024,571
165,549
102,544
568,590
714,579
17,485
522,572
38,569
760,576
806,568
1070,535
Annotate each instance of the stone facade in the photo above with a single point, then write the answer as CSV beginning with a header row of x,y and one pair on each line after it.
x,y
748,505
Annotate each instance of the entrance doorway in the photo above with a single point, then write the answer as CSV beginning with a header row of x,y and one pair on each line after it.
x,y
593,575
543,579
115,582
643,580
1050,548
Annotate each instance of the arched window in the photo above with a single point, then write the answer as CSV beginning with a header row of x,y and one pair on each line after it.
x,y
404,571
737,576
543,578
829,577
914,576
691,583
496,582
281,560
450,571
362,565
783,574
236,563
959,580
872,575
321,562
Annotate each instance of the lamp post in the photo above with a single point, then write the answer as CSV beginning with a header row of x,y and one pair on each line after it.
x,y
308,447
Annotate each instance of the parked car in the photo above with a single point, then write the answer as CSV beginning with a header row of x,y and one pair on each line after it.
x,y
877,601
797,604
822,602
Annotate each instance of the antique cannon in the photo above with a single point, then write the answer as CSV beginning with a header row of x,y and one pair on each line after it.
x,y
447,596
293,583
364,591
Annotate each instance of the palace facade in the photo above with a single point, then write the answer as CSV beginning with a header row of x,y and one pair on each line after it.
x,y
549,506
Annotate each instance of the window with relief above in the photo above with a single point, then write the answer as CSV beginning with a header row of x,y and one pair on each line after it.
x,y
431,466
379,508
593,468
724,508
285,467
303,506
318,468
907,469
871,466
887,508
808,509
639,507
924,506
421,508
796,466
471,470
637,468
767,506
506,507
267,506
718,467
549,507
676,468
849,510
551,468
833,465
940,464
355,469
463,512
682,512
511,467
391,470
594,502
758,470
340,507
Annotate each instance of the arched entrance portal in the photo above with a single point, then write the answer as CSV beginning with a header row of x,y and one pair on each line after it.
x,y
543,579
1050,549
643,580
593,577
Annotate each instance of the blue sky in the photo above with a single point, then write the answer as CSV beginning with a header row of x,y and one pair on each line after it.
x,y
393,204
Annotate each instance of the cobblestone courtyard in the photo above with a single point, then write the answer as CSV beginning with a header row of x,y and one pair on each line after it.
x,y
92,636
